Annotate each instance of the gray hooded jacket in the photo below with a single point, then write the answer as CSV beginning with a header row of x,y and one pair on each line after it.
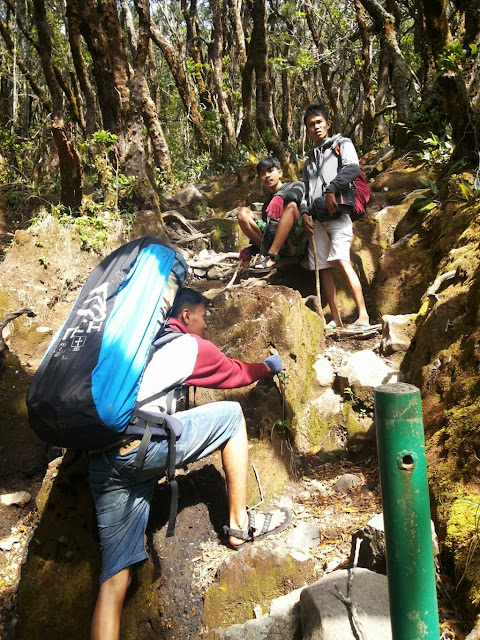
x,y
322,162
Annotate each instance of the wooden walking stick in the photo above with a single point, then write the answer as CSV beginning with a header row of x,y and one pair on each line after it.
x,y
318,303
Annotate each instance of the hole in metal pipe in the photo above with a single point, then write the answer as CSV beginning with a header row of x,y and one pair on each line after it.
x,y
407,462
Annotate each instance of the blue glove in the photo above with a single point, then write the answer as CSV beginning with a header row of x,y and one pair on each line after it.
x,y
274,363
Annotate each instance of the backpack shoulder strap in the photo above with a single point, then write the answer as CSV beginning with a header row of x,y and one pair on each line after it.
x,y
336,151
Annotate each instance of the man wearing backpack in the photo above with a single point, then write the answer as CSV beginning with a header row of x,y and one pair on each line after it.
x,y
122,493
330,168
280,227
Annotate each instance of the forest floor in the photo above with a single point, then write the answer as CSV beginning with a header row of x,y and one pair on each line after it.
x,y
338,515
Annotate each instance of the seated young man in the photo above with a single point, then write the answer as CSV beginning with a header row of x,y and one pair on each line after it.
x,y
280,223
122,494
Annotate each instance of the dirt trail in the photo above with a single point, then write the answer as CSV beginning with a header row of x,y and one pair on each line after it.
x,y
186,570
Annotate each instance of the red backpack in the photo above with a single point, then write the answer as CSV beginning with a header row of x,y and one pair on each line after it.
x,y
362,190
362,197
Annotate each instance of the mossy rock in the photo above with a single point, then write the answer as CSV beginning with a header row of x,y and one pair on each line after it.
x,y
247,324
254,577
59,583
461,541
16,434
226,233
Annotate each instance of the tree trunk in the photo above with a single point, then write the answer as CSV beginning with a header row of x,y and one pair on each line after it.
x,y
160,150
366,74
325,70
36,88
241,48
186,92
452,84
195,52
69,162
258,51
108,64
384,24
382,94
60,80
247,128
427,70
81,70
216,53
287,109
135,160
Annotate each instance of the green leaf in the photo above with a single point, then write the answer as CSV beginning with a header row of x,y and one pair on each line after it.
x,y
428,207
467,192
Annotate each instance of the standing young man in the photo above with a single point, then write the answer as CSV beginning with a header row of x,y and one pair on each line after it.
x,y
280,223
122,494
330,167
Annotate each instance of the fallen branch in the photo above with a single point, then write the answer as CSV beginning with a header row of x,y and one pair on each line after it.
x,y
318,302
210,261
357,629
8,318
182,221
234,276
197,236
432,290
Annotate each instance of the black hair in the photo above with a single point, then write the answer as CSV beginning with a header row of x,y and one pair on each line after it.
x,y
268,163
187,299
315,110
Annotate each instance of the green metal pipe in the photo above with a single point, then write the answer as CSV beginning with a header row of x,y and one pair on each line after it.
x,y
406,512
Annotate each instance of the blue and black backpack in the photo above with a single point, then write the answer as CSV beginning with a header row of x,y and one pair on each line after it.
x,y
83,395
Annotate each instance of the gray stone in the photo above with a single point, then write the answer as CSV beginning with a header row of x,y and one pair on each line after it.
x,y
215,273
44,330
6,544
281,624
372,548
401,242
328,403
303,537
186,201
388,219
325,617
474,634
19,498
372,553
367,369
346,483
397,332
324,371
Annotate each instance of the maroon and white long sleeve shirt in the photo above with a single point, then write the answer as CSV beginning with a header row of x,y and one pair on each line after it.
x,y
193,361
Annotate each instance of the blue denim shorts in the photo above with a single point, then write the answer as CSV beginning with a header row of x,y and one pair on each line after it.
x,y
122,499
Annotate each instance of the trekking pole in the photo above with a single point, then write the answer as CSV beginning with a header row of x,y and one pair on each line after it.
x,y
318,304
406,512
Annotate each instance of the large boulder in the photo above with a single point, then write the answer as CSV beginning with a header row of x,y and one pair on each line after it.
x,y
372,550
281,623
250,580
397,332
325,616
189,201
363,371
405,180
250,324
